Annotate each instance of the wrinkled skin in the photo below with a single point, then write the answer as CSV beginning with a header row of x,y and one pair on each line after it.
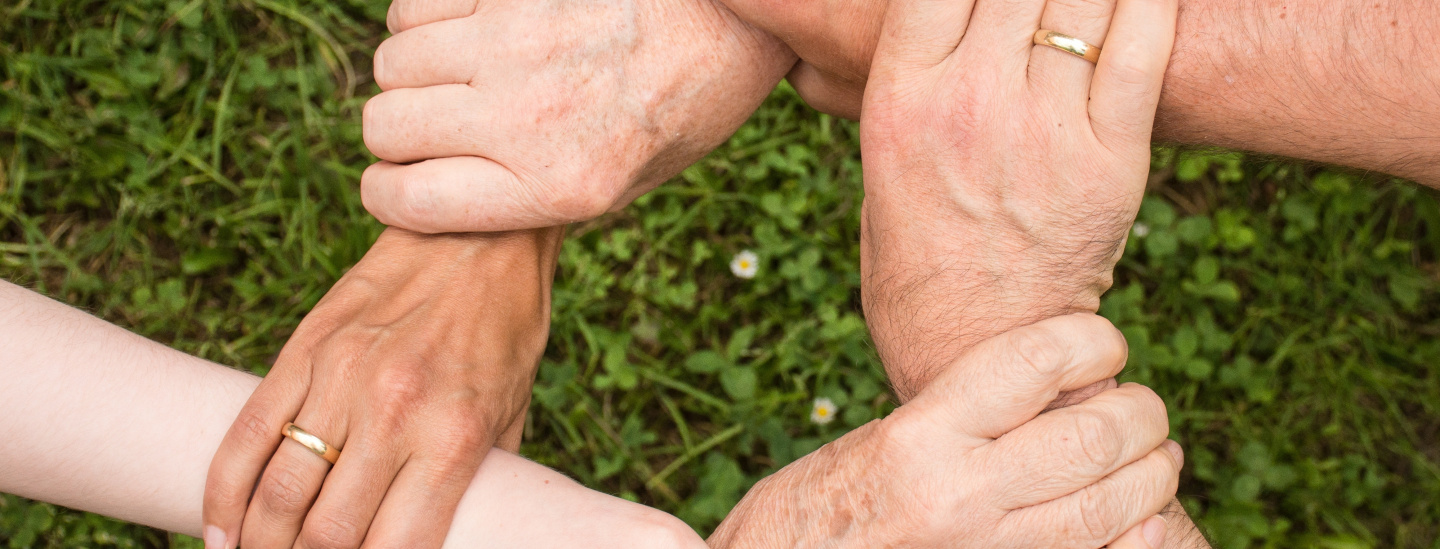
x,y
415,364
1001,177
972,461
516,115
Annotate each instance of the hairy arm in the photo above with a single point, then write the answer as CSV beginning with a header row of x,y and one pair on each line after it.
x,y
97,418
1350,82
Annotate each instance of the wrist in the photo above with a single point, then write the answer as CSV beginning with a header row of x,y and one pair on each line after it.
x,y
495,286
484,254
934,288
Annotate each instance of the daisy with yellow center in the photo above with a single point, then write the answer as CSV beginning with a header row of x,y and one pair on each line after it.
x,y
824,411
745,264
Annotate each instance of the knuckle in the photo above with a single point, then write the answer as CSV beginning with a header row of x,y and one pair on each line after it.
x,y
373,194
1105,340
1148,403
397,389
417,200
380,69
449,474
1164,480
403,15
226,493
1130,74
1170,483
582,202
392,17
1096,443
1039,350
900,433
1129,79
1114,347
283,492
934,520
332,532
373,125
408,14
404,381
339,350
463,437
253,431
1099,518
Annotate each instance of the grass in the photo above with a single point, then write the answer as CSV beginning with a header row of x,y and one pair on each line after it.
x,y
188,169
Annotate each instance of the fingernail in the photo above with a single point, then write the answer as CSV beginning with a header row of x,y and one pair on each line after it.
x,y
1154,531
1176,452
214,538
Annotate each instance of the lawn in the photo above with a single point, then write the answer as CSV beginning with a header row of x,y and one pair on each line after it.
x,y
188,169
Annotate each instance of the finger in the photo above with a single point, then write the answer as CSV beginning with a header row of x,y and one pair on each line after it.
x,y
1007,380
1126,88
1149,534
444,52
1002,32
920,34
246,448
419,507
408,125
467,194
1062,77
1099,513
351,495
1068,449
511,438
408,14
291,481
825,92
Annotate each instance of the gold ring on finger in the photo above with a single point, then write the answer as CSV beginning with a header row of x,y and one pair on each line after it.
x,y
311,442
1068,44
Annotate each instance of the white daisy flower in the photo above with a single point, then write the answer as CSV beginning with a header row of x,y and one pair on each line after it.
x,y
1140,230
824,411
745,264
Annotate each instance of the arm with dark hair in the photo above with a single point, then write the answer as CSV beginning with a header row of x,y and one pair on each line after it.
x,y
1349,82
994,198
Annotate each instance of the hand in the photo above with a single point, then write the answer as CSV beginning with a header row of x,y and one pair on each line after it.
x,y
972,462
516,115
414,364
1001,177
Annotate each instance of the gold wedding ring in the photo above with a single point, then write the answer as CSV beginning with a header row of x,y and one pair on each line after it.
x,y
312,442
1068,44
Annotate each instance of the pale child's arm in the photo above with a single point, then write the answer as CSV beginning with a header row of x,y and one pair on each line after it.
x,y
96,418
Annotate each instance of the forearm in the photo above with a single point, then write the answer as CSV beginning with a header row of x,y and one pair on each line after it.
x,y
1349,82
816,498
102,420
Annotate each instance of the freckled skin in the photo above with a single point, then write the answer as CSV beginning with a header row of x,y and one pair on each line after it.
x,y
620,94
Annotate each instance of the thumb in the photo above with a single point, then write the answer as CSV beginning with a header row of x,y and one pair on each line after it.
x,y
1007,380
1149,534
